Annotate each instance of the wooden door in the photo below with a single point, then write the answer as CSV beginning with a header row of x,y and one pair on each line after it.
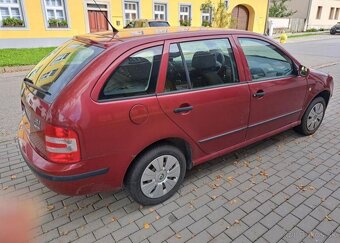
x,y
240,17
97,21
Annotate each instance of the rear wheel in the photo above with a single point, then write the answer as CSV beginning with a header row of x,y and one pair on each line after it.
x,y
156,175
313,117
333,32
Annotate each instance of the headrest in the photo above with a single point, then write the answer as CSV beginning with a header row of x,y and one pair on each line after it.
x,y
203,60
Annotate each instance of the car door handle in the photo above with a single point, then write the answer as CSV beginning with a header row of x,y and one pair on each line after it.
x,y
259,94
183,109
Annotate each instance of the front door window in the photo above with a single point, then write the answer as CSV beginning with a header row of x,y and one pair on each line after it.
x,y
265,60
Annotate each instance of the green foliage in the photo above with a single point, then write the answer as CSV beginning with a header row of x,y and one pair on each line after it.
x,y
221,18
57,23
23,56
312,30
12,22
278,9
206,24
184,23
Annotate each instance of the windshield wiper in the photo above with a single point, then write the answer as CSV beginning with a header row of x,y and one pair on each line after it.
x,y
30,83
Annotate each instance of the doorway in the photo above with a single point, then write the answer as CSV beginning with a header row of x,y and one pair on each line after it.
x,y
240,17
96,17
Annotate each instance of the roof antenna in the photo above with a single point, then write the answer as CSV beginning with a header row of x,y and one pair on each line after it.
x,y
115,31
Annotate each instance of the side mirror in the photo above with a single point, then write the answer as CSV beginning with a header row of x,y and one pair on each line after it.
x,y
303,71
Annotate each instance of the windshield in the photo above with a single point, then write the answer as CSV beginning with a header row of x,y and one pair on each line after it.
x,y
159,24
56,70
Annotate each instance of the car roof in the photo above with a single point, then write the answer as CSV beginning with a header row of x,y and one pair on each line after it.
x,y
109,38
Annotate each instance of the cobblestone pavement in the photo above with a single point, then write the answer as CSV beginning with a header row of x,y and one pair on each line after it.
x,y
284,189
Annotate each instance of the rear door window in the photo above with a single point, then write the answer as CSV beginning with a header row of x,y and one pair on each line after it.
x,y
265,60
199,64
136,76
55,71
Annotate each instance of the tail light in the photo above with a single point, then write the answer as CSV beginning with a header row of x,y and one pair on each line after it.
x,y
62,145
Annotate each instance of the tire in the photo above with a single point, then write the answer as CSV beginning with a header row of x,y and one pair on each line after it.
x,y
333,32
150,182
313,117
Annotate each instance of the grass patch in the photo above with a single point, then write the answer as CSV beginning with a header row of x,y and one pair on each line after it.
x,y
24,56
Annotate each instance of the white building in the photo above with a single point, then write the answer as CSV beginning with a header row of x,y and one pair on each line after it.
x,y
318,13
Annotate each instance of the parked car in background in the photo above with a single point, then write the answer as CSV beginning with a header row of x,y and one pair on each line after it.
x,y
138,111
144,23
335,29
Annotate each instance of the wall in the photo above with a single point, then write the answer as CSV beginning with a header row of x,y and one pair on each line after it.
x,y
324,21
36,32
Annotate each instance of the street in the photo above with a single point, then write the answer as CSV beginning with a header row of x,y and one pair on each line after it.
x,y
284,189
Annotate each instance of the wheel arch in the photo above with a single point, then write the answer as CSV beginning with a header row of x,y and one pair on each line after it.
x,y
325,94
179,143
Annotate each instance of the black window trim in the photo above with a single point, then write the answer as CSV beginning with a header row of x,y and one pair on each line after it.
x,y
280,51
178,42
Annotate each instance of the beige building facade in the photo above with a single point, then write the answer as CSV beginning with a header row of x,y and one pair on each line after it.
x,y
318,13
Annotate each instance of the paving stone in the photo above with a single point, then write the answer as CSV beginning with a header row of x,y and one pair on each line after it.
x,y
255,232
182,223
252,218
180,237
289,222
200,213
274,234
199,226
142,234
301,211
125,231
270,220
294,236
161,235
308,224
202,237
218,227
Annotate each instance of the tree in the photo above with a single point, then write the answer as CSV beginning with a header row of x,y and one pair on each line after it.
x,y
221,18
279,9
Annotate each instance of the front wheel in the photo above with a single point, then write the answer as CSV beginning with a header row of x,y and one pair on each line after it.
x,y
156,175
313,117
333,32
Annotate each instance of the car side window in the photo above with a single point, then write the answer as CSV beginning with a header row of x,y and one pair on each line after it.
x,y
176,79
137,75
265,60
205,62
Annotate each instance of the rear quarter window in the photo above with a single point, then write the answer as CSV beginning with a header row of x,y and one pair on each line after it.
x,y
136,75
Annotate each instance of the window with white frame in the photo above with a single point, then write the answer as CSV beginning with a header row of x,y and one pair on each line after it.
x,y
185,15
206,17
130,11
160,11
55,12
11,13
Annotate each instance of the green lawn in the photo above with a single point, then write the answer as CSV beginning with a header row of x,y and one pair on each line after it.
x,y
24,56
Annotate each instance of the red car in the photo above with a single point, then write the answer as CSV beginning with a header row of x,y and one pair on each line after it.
x,y
139,108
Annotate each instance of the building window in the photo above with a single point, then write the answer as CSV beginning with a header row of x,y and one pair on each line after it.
x,y
319,12
331,13
185,15
55,13
206,17
337,13
160,11
11,13
130,11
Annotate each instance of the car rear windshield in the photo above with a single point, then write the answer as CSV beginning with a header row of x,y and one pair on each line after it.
x,y
159,24
56,70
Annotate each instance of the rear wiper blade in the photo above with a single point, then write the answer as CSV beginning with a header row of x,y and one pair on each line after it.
x,y
30,83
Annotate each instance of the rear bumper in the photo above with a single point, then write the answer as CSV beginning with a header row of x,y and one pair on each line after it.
x,y
69,179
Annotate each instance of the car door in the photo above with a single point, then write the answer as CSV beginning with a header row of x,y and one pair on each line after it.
x,y
277,92
202,93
